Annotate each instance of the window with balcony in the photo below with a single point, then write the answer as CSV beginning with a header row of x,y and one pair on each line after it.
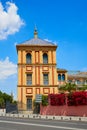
x,y
45,58
45,79
28,58
29,79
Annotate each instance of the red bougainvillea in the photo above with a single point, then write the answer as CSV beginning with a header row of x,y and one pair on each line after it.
x,y
57,99
77,98
72,99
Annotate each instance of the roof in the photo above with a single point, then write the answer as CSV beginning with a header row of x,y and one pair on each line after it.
x,y
61,70
78,74
39,42
36,42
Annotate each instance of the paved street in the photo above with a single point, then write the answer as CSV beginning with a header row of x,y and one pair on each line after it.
x,y
7,123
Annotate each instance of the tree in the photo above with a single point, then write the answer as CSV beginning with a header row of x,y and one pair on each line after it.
x,y
44,100
7,97
68,87
4,98
83,88
2,102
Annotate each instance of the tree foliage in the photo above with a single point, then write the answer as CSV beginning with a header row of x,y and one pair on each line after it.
x,y
4,98
44,100
68,87
83,88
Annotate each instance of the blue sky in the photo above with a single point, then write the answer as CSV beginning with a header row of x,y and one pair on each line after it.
x,y
60,21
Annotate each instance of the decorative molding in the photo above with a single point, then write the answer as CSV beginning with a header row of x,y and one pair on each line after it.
x,y
21,76
41,64
28,68
21,94
29,90
36,57
38,86
27,51
45,68
37,91
46,90
52,75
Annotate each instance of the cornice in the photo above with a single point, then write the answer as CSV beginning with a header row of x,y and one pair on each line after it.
x,y
36,64
35,48
38,86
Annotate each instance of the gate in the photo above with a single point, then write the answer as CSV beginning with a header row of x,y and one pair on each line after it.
x,y
11,108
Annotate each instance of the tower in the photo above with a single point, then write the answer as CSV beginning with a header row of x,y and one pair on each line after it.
x,y
37,72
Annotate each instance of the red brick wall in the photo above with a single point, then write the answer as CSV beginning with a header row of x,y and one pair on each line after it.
x,y
64,110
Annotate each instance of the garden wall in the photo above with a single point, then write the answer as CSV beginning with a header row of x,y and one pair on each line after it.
x,y
64,110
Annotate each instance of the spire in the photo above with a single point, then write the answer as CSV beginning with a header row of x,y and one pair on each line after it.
x,y
35,32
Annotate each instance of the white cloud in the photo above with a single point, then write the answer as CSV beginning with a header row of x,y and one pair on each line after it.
x,y
10,21
51,41
7,68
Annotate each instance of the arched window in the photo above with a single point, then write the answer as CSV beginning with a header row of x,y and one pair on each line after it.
x,y
45,58
63,77
59,77
28,58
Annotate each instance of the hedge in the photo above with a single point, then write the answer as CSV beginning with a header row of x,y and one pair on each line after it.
x,y
71,99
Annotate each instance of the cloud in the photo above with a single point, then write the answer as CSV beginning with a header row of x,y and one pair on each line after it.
x,y
51,41
10,21
7,68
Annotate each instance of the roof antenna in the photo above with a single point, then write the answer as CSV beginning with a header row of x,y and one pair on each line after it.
x,y
35,32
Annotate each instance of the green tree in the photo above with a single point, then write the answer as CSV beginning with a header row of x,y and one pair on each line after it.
x,y
4,98
83,88
68,87
2,104
44,100
7,97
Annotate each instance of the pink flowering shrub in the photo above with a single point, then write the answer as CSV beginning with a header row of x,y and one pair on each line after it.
x,y
77,98
72,99
57,99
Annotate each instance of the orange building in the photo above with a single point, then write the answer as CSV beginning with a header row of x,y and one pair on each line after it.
x,y
37,72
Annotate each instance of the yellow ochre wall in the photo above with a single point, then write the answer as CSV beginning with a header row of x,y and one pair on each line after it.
x,y
37,68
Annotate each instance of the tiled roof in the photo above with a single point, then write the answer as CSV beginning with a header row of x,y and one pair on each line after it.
x,y
78,74
64,70
38,41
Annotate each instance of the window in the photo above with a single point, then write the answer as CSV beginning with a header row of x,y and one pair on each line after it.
x,y
70,81
86,82
59,77
63,77
45,79
78,82
29,103
45,58
28,58
29,79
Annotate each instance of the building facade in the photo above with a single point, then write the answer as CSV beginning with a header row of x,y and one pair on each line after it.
x,y
77,77
37,72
